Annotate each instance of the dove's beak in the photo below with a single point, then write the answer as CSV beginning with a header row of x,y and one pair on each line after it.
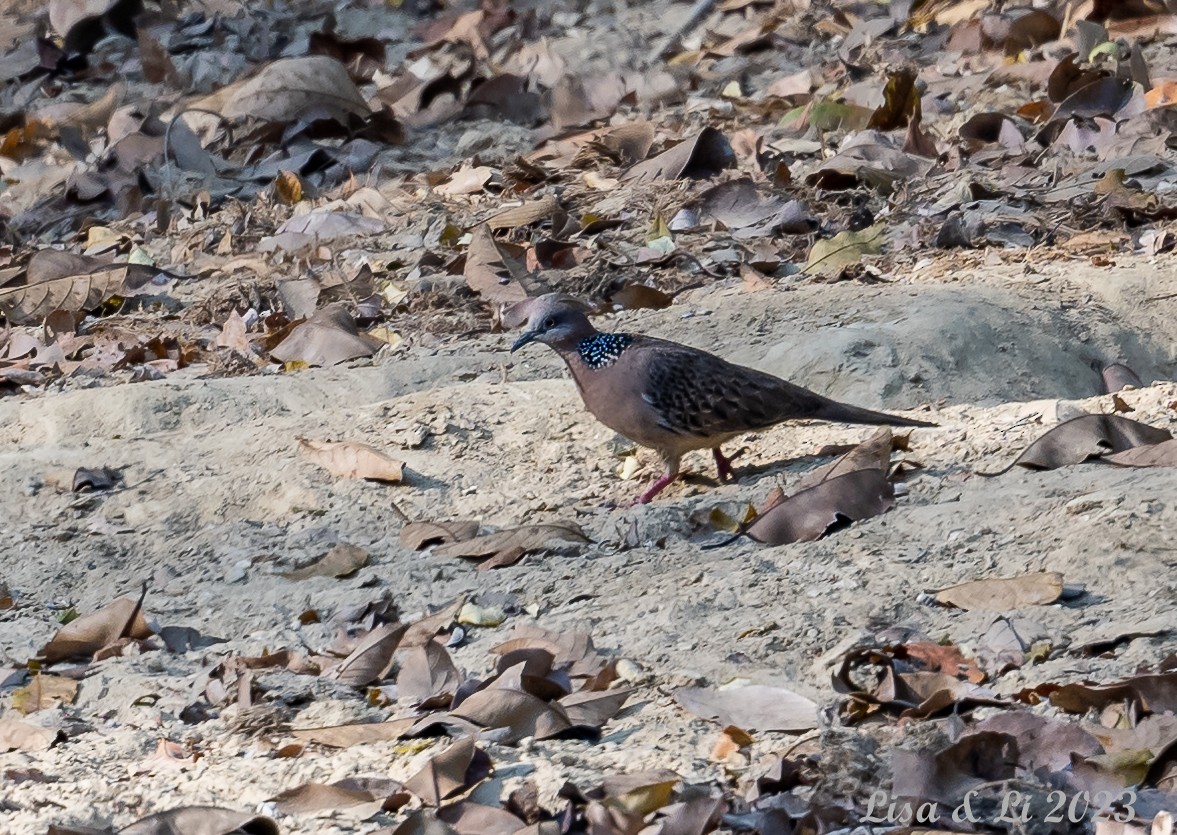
x,y
528,336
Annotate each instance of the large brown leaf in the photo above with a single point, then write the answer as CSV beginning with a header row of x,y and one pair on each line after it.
x,y
513,540
739,206
327,338
469,818
357,798
755,707
520,713
343,560
428,675
372,658
291,87
202,820
812,513
16,735
943,775
348,459
1086,437
418,535
56,280
701,156
1163,454
1004,594
83,637
496,270
457,768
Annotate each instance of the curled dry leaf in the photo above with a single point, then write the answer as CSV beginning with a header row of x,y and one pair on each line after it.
x,y
201,820
418,535
347,459
1150,693
457,768
87,479
590,710
44,692
634,296
1086,437
872,454
428,676
519,714
423,631
67,281
828,506
570,651
755,707
1163,454
943,775
1004,594
469,818
343,560
731,739
699,157
355,797
514,542
831,256
740,206
496,270
16,735
466,181
83,637
328,338
372,658
288,88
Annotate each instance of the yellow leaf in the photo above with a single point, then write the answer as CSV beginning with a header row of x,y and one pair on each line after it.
x,y
288,187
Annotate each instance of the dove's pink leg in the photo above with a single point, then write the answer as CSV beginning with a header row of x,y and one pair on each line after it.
x,y
723,465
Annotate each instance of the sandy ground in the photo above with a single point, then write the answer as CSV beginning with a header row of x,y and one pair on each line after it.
x,y
219,501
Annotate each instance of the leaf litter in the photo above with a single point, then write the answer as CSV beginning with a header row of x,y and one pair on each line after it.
x,y
817,158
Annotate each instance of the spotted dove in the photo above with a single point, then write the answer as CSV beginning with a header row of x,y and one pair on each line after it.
x,y
671,397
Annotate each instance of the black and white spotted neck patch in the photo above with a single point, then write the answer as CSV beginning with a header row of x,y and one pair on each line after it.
x,y
602,349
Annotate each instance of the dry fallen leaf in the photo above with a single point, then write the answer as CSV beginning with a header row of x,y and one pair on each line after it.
x,y
1086,437
813,512
347,459
358,798
428,676
731,739
1163,454
328,338
418,535
496,270
16,735
372,658
514,542
81,638
56,280
287,88
458,767
703,155
831,256
1004,594
44,692
756,707
201,820
345,736
343,560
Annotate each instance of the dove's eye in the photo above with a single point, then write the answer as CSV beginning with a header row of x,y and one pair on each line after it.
x,y
549,323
